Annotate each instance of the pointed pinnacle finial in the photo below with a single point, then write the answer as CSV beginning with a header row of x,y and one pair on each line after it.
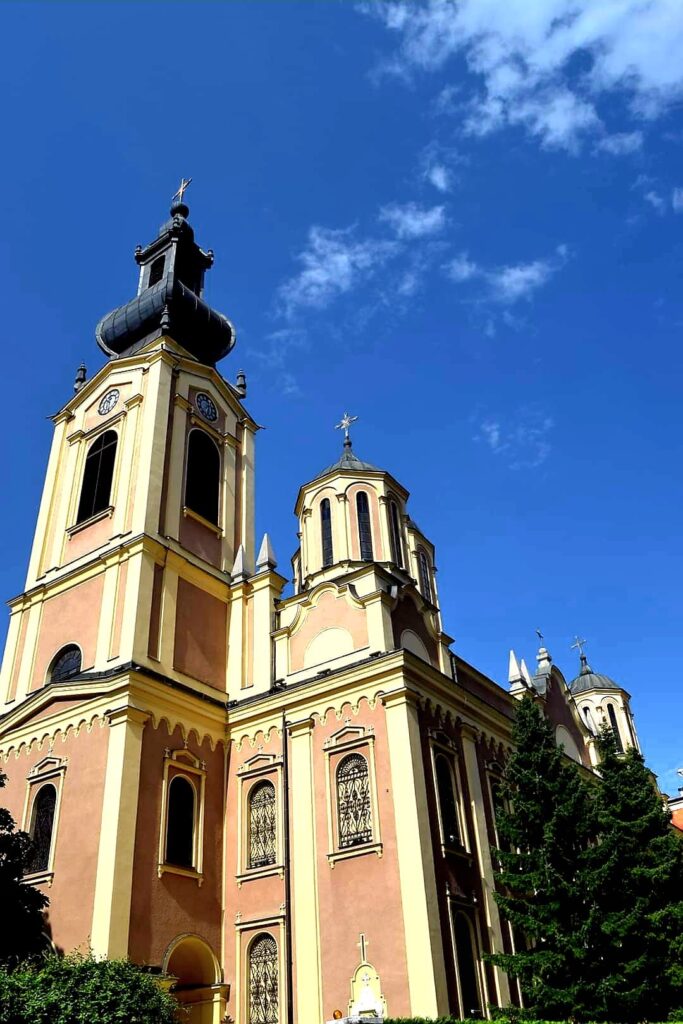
x,y
81,376
344,425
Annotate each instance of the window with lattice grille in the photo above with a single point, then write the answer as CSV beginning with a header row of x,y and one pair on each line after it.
x,y
262,825
263,981
364,528
42,824
353,802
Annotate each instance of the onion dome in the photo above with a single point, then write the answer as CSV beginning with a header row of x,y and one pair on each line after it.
x,y
170,298
587,679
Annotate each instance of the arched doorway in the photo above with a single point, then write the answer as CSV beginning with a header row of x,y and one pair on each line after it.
x,y
197,984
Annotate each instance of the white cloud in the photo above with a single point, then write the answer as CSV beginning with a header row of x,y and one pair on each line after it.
x,y
413,221
655,200
440,177
677,200
332,263
461,268
522,444
545,64
511,283
620,143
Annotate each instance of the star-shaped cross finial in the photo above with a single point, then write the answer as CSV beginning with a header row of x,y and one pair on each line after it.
x,y
344,425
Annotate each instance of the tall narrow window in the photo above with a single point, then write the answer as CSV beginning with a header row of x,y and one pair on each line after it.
x,y
425,575
262,826
615,728
263,981
66,662
42,824
395,533
156,271
180,823
364,528
98,476
450,825
467,966
326,531
353,802
202,480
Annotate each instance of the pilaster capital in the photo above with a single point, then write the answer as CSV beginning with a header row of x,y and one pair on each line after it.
x,y
401,697
303,727
122,716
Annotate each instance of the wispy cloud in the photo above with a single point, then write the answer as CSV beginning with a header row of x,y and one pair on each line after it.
x,y
509,283
331,264
620,143
523,57
440,177
655,200
274,354
523,443
410,220
677,200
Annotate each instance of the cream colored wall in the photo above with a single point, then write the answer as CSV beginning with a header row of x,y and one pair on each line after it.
x,y
597,701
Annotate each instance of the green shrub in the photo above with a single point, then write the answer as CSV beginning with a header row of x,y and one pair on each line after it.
x,y
79,989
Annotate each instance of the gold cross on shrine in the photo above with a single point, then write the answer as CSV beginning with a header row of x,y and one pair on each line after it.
x,y
184,182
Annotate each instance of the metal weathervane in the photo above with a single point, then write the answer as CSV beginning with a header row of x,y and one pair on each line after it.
x,y
345,423
184,183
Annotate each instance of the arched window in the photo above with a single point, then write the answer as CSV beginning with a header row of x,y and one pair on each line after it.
x,y
364,528
353,802
263,981
470,998
615,728
326,531
450,824
202,479
587,714
395,534
42,824
180,823
98,476
425,575
66,663
262,826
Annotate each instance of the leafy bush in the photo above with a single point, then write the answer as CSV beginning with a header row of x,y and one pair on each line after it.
x,y
79,989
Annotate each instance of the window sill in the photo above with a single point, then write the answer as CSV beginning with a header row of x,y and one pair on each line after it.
x,y
191,514
456,851
106,513
268,871
355,851
173,869
39,878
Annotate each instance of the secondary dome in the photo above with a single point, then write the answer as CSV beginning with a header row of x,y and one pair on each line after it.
x,y
587,679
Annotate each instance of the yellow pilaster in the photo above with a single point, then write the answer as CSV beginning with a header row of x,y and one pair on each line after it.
x,y
308,987
111,908
424,947
483,850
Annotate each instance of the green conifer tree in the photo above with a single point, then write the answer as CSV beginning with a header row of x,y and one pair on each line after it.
x,y
635,879
544,822
22,905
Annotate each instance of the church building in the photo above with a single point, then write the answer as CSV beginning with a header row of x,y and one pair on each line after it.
x,y
280,796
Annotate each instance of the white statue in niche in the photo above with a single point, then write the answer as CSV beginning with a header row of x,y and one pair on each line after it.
x,y
366,989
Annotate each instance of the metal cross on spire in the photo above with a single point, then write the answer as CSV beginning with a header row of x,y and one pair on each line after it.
x,y
344,425
579,645
540,635
184,183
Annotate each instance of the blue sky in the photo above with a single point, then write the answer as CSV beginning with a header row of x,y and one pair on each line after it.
x,y
461,222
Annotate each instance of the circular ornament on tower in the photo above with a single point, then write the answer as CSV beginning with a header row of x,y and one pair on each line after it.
x,y
108,402
206,407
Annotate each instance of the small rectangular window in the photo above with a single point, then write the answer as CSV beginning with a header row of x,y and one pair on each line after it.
x,y
156,271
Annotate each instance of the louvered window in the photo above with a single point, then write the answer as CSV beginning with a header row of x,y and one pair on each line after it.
x,y
42,824
364,528
353,802
425,576
263,981
262,825
326,531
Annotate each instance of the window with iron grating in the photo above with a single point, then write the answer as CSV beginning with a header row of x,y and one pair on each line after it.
x,y
353,802
262,825
263,981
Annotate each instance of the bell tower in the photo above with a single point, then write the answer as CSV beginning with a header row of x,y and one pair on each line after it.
x,y
148,494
